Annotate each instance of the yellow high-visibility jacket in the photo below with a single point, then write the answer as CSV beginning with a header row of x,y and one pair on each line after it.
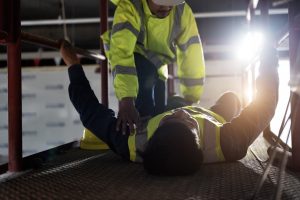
x,y
162,41
209,124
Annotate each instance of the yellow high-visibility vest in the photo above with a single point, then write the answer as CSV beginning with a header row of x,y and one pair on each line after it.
x,y
209,123
174,38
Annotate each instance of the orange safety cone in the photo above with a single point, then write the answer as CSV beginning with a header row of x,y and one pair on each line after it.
x,y
90,142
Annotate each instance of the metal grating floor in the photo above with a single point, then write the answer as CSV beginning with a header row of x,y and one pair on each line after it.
x,y
79,174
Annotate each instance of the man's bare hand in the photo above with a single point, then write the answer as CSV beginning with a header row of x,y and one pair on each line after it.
x,y
127,115
68,53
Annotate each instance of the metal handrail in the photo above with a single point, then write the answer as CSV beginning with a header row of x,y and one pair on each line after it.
x,y
55,44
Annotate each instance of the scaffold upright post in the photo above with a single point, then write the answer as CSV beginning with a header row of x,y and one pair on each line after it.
x,y
264,18
14,88
104,64
294,39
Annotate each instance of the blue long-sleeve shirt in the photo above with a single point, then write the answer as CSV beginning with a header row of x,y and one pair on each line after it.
x,y
94,116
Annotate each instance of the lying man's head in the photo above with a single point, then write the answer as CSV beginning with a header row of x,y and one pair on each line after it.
x,y
174,148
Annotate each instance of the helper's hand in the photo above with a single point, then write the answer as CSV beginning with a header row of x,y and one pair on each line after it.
x,y
68,53
127,115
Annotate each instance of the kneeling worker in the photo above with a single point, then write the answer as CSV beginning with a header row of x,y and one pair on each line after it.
x,y
178,141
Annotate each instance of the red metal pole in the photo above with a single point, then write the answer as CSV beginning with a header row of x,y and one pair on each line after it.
x,y
294,39
264,9
14,107
14,89
104,65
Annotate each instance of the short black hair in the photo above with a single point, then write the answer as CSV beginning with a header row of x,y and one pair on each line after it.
x,y
172,150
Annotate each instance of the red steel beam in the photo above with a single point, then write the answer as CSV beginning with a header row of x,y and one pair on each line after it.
x,y
14,107
14,88
104,64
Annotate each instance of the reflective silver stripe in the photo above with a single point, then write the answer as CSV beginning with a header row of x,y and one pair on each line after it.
x,y
139,7
124,70
189,82
140,145
176,29
194,110
153,58
124,25
193,40
210,142
141,138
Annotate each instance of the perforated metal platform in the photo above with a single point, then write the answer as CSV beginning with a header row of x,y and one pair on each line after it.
x,y
79,174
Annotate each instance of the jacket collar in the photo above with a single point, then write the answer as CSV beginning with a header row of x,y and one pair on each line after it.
x,y
147,10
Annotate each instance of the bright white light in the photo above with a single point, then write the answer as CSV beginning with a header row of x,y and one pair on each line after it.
x,y
284,93
249,46
252,74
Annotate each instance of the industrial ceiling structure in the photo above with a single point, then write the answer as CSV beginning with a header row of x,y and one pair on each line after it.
x,y
221,23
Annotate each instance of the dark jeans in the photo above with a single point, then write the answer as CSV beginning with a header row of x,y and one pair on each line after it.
x,y
151,95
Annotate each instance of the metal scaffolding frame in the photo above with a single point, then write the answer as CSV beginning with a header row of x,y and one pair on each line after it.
x,y
292,33
11,36
55,44
294,42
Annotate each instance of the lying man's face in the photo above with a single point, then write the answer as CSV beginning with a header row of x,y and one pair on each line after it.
x,y
179,115
175,148
159,10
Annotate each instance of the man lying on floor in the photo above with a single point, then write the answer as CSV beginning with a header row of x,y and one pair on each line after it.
x,y
178,141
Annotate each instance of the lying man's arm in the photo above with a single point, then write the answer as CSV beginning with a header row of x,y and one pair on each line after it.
x,y
239,134
94,116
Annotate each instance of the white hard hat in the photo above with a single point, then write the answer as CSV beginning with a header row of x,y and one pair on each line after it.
x,y
168,2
